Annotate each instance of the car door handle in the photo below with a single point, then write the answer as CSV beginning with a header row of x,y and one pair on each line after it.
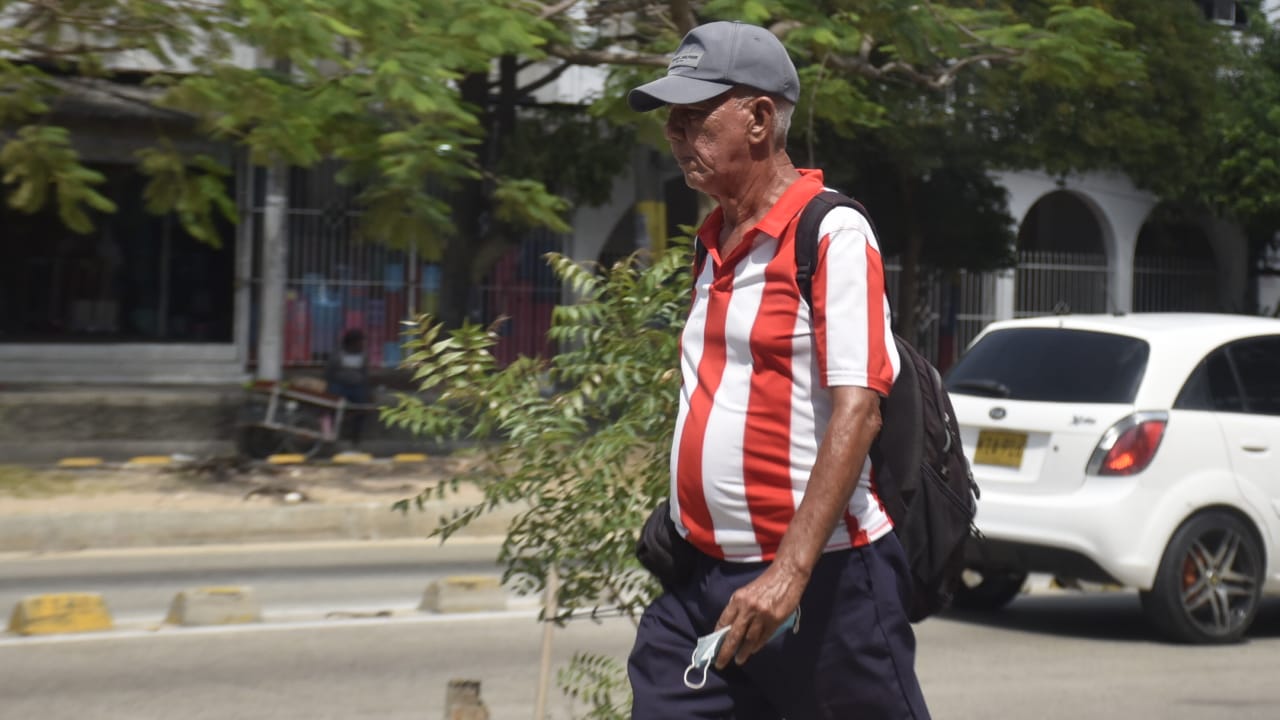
x,y
1254,447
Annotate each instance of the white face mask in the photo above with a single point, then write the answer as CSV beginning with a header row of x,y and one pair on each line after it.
x,y
708,647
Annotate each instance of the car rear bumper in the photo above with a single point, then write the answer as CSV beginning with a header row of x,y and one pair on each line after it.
x,y
1103,532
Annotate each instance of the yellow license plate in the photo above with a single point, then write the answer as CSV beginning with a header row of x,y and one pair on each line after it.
x,y
997,447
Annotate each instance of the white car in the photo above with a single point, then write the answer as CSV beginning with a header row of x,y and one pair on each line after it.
x,y
1141,450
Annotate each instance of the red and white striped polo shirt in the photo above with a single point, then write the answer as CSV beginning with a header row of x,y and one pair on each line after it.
x,y
757,368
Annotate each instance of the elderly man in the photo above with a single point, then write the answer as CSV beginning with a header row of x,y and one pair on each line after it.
x,y
770,480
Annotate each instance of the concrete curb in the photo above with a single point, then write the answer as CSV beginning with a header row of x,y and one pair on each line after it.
x,y
52,532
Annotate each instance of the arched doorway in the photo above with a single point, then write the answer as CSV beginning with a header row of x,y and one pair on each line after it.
x,y
1062,261
1174,267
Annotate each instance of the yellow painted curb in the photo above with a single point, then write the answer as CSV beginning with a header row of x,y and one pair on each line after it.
x,y
409,457
76,462
60,613
287,459
149,460
352,458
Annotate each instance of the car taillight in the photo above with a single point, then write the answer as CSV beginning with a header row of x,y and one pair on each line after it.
x,y
1129,446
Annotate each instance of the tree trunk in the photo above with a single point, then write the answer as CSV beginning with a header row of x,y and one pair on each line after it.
x,y
469,255
912,248
470,211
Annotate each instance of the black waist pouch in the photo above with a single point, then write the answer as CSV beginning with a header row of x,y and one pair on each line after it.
x,y
661,549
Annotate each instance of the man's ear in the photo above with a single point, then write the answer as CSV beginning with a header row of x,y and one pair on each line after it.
x,y
763,114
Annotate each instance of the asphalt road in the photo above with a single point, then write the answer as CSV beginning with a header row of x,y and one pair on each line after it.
x,y
1049,656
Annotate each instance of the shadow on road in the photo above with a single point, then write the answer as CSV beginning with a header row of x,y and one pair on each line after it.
x,y
1108,616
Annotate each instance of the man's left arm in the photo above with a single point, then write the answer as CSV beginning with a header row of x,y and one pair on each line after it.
x,y
757,609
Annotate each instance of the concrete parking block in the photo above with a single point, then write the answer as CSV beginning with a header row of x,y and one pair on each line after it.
x,y
148,461
464,593
287,459
226,605
60,613
352,458
409,457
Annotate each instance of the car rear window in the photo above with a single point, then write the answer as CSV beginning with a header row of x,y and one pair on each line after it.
x,y
1052,365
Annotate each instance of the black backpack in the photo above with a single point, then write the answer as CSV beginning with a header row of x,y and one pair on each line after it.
x,y
922,475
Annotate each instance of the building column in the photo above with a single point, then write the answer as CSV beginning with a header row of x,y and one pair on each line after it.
x,y
1025,190
1004,294
1122,219
275,250
1231,253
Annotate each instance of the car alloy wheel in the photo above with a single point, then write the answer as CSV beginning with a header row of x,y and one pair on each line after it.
x,y
1209,582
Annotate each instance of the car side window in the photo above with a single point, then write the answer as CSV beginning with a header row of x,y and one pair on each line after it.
x,y
1211,386
1257,360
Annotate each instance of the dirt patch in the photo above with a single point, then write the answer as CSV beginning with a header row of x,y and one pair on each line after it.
x,y
219,483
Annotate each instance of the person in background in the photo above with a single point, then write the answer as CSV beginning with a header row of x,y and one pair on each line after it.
x,y
347,375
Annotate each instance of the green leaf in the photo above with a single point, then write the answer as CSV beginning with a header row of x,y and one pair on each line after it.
x,y
342,28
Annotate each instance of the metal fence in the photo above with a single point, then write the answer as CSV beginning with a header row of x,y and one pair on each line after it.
x,y
522,290
953,308
1174,284
335,282
1056,282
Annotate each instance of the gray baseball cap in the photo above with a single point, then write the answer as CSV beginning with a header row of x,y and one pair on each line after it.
x,y
715,57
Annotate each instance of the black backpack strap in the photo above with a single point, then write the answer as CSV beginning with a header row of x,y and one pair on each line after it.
x,y
807,235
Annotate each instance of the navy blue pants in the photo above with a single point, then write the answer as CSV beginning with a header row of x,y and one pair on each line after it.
x,y
853,656
352,420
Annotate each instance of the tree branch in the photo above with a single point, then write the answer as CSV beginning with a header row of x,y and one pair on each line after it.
x,y
545,80
107,88
553,10
683,16
576,56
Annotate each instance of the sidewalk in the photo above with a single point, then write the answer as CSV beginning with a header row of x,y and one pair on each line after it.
x,y
188,504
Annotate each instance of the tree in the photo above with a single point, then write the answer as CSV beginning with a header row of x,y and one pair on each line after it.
x,y
1245,149
581,440
380,85
403,93
925,168
894,104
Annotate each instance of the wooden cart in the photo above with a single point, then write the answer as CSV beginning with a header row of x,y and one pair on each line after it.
x,y
291,418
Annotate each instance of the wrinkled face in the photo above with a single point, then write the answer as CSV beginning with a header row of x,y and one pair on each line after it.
x,y
709,141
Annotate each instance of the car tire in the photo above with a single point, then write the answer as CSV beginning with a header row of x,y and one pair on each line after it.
x,y
988,589
1209,583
